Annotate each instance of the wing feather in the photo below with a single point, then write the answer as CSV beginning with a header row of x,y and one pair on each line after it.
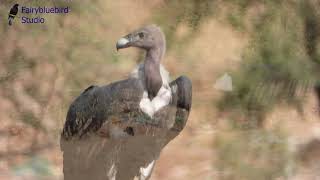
x,y
95,104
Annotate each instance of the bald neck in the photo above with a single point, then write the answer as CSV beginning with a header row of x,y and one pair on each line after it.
x,y
153,80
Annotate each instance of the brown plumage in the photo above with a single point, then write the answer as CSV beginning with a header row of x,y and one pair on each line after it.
x,y
105,127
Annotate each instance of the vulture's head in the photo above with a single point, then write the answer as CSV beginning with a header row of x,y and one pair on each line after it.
x,y
147,38
16,5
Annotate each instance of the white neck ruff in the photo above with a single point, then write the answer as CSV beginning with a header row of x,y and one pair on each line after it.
x,y
163,96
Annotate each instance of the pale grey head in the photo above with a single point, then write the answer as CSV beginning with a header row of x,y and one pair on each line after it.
x,y
148,37
152,40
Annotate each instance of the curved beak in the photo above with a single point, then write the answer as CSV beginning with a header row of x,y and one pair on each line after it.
x,y
122,43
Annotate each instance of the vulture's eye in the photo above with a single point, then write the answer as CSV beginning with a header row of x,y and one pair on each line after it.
x,y
141,35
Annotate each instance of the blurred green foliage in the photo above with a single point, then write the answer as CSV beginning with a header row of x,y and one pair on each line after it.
x,y
252,155
279,66
276,66
190,12
35,167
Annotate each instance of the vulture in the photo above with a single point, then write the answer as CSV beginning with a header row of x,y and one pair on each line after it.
x,y
117,131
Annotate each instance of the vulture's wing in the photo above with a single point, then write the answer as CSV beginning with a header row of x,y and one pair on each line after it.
x,y
96,104
183,94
